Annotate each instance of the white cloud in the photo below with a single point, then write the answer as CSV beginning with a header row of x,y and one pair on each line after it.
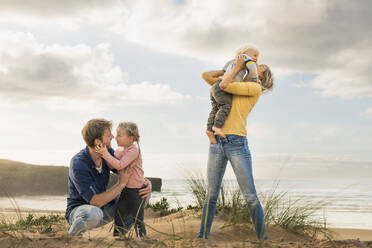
x,y
369,111
36,72
69,15
329,39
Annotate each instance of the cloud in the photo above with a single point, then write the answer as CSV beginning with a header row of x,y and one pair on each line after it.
x,y
329,39
35,72
69,15
53,8
369,112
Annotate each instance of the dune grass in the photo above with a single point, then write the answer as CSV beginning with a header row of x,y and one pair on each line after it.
x,y
298,216
30,222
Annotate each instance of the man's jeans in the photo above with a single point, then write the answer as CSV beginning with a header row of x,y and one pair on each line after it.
x,y
86,217
235,149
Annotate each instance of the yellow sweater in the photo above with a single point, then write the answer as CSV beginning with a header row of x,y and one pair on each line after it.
x,y
245,96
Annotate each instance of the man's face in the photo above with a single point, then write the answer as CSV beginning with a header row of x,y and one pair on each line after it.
x,y
107,137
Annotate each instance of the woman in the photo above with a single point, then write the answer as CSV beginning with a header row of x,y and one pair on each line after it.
x,y
234,147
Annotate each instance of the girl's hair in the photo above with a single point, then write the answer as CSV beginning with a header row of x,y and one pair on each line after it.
x,y
245,49
131,129
267,82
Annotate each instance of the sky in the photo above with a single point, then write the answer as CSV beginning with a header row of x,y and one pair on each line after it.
x,y
65,62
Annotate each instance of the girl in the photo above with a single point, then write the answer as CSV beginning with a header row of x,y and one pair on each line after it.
x,y
130,207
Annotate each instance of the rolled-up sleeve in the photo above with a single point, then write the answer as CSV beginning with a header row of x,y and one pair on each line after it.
x,y
84,183
244,89
209,79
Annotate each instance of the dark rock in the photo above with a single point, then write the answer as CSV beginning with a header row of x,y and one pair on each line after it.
x,y
155,181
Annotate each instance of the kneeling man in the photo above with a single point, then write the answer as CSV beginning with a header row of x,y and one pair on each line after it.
x,y
89,203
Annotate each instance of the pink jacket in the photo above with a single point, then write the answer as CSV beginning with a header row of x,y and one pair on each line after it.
x,y
125,158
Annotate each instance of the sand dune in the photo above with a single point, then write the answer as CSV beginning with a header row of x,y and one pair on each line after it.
x,y
179,230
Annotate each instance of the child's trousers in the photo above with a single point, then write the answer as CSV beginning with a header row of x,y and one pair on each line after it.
x,y
221,105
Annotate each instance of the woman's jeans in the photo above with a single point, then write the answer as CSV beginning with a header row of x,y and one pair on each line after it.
x,y
86,217
235,149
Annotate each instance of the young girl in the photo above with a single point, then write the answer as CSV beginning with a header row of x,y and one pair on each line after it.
x,y
130,209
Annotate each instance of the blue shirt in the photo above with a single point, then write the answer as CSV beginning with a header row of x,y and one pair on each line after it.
x,y
84,180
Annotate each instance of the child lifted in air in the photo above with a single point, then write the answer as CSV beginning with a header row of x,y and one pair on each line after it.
x,y
222,101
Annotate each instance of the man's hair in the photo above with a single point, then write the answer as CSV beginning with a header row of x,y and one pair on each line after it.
x,y
245,49
94,129
267,82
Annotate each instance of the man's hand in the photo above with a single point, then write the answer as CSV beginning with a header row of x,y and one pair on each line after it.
x,y
146,191
101,149
124,176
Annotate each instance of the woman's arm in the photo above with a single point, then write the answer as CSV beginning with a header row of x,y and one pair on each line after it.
x,y
211,77
244,89
229,76
239,88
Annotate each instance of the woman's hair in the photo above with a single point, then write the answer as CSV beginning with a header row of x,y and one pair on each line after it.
x,y
94,129
245,49
131,129
267,82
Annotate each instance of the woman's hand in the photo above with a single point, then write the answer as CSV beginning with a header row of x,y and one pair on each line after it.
x,y
229,76
239,61
101,149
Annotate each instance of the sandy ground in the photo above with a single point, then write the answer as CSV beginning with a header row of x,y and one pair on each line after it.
x,y
179,230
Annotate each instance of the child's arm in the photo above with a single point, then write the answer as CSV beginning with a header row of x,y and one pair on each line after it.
x,y
211,77
130,156
252,71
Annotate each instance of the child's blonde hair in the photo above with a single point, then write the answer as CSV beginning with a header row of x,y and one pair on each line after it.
x,y
131,129
245,49
267,82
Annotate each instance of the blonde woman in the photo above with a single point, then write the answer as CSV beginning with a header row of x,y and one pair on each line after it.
x,y
234,147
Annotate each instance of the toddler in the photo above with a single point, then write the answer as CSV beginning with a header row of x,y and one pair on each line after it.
x,y
131,209
221,101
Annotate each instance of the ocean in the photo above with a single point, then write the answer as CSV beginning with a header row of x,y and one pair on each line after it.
x,y
349,202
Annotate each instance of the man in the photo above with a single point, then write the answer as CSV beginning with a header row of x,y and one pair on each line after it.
x,y
89,203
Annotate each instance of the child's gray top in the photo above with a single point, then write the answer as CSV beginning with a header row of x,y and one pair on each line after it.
x,y
249,73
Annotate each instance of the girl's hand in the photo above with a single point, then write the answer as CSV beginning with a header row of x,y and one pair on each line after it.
x,y
101,149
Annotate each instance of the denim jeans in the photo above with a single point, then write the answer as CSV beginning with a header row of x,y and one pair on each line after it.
x,y
85,217
235,149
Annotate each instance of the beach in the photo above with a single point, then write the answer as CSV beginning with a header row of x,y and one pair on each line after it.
x,y
179,230
347,213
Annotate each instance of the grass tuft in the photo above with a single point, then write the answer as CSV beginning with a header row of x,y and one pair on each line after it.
x,y
298,216
162,206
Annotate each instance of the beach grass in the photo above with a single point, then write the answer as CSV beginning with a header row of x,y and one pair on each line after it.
x,y
298,216
31,222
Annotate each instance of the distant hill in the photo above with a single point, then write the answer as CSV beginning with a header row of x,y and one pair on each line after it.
x,y
17,179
